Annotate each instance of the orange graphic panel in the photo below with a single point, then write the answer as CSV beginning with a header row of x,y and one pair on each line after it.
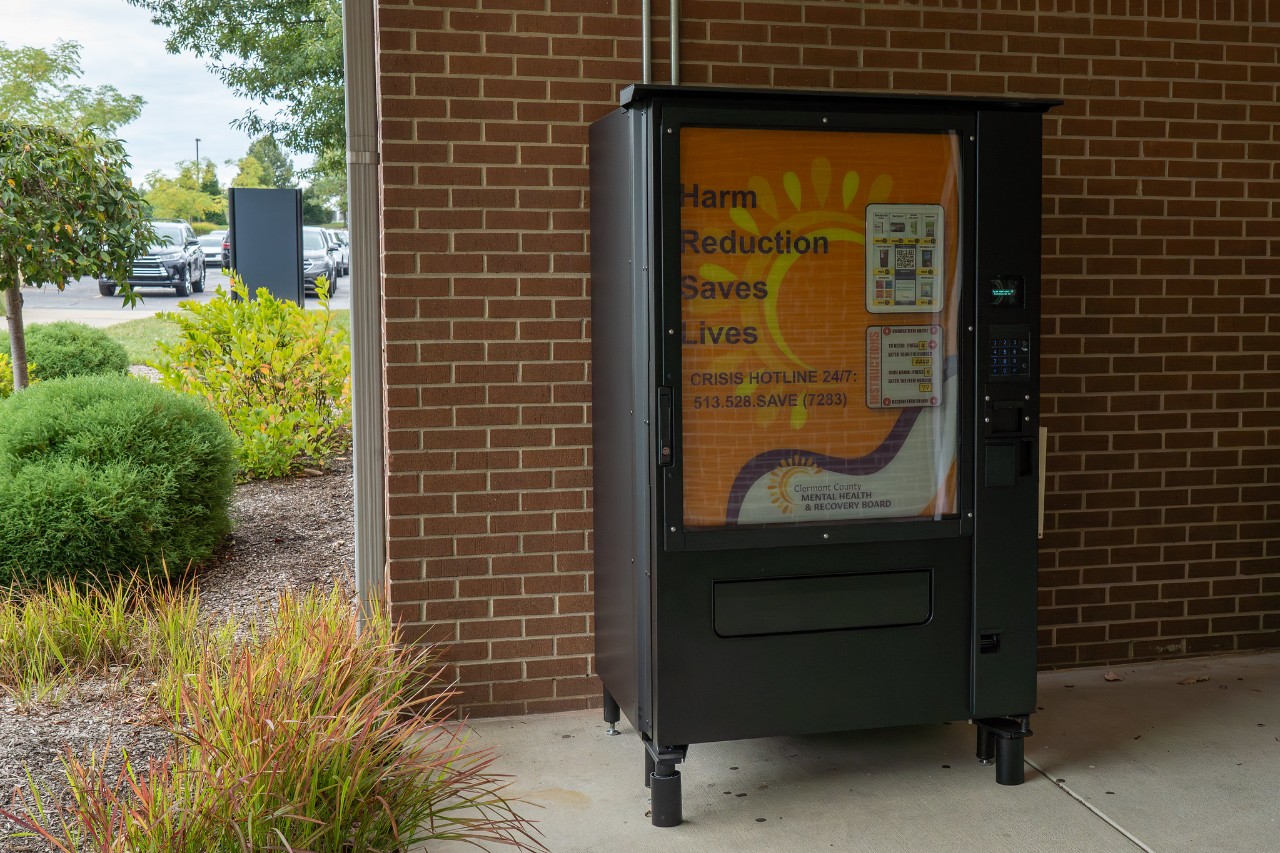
x,y
788,323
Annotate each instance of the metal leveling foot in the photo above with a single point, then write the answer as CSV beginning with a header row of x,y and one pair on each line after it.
x,y
611,713
1000,738
986,746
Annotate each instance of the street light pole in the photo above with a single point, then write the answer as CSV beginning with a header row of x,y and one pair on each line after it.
x,y
197,155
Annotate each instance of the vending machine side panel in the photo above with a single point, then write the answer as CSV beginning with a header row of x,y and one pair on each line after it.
x,y
621,405
1008,343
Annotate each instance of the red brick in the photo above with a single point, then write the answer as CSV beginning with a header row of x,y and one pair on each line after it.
x,y
1158,180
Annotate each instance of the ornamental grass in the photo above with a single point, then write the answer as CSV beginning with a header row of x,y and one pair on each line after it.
x,y
305,736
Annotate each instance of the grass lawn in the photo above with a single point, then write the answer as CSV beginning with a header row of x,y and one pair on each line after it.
x,y
139,337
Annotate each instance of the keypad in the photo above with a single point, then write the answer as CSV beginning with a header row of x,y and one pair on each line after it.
x,y
1009,357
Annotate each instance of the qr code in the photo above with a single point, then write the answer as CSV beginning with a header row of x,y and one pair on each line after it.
x,y
904,257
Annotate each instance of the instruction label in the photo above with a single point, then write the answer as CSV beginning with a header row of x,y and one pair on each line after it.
x,y
904,366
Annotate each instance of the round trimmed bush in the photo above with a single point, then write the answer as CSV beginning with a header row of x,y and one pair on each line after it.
x,y
66,349
104,475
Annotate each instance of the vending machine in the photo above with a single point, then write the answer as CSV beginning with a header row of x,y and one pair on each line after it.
x,y
815,407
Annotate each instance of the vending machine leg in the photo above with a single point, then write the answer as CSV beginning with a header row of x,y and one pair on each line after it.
x,y
1000,738
1009,767
611,713
663,781
664,785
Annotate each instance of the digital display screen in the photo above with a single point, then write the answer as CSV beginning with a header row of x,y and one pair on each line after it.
x,y
1005,291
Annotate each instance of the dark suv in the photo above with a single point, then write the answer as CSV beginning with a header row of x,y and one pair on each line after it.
x,y
174,260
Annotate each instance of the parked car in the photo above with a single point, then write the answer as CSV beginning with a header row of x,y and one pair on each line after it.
x,y
174,260
340,239
319,258
226,251
211,246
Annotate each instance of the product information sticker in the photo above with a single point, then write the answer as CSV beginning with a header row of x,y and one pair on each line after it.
x,y
818,313
906,257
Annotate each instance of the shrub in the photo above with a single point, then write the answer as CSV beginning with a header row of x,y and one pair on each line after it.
x,y
312,737
100,475
71,349
278,374
6,374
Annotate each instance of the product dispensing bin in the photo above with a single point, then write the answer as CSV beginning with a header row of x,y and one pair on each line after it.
x,y
815,404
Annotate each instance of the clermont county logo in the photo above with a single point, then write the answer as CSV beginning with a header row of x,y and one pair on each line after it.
x,y
780,493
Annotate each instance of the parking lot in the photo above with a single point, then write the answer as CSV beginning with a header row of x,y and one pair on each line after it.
x,y
82,303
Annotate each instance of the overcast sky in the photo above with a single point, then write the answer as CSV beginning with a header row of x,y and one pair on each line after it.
x,y
122,48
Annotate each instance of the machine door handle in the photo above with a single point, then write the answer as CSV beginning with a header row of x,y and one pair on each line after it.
x,y
666,427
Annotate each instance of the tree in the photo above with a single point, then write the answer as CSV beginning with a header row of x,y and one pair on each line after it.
x,y
35,88
332,187
283,50
278,166
209,185
185,197
67,209
252,174
314,211
208,175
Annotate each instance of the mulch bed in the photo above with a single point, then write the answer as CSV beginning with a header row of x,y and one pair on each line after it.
x,y
290,534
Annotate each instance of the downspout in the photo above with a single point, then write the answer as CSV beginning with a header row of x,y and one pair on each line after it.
x,y
367,374
646,42
675,42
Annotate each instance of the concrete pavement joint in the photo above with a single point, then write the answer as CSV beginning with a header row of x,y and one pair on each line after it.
x,y
1088,805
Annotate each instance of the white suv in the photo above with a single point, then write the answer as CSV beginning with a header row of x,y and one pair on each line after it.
x,y
339,239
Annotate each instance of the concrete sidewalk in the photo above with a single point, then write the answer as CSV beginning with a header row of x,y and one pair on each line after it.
x,y
1142,763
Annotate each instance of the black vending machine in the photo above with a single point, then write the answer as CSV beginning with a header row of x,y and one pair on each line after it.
x,y
815,405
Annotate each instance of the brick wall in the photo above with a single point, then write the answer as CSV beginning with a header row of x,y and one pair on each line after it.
x,y
1161,355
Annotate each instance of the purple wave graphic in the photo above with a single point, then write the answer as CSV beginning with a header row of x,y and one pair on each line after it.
x,y
860,466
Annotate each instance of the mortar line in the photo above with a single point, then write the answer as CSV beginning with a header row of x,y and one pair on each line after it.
x,y
1079,798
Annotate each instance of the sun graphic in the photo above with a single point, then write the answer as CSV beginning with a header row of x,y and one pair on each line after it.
x,y
818,209
781,476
